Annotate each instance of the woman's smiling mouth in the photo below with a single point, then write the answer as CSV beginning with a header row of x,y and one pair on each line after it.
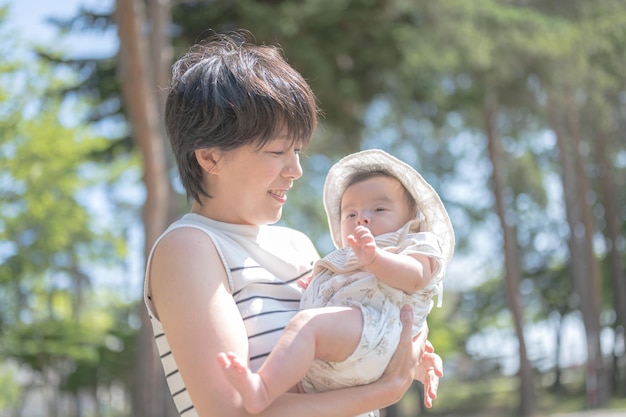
x,y
280,195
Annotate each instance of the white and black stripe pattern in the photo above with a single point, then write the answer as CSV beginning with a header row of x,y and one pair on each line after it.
x,y
263,265
174,380
266,305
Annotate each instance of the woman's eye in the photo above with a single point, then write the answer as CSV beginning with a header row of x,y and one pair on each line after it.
x,y
284,150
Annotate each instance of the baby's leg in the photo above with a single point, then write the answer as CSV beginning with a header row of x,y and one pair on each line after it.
x,y
328,333
249,384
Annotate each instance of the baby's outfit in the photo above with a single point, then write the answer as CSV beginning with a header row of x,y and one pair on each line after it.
x,y
340,281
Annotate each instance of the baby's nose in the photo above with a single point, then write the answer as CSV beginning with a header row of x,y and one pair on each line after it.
x,y
363,220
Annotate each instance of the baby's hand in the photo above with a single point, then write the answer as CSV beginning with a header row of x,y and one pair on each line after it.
x,y
363,244
305,281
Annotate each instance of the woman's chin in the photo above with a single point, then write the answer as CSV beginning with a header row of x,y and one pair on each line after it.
x,y
276,217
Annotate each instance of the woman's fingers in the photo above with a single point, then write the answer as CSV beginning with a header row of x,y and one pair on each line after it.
x,y
420,341
402,364
429,346
406,344
429,367
430,389
406,316
428,372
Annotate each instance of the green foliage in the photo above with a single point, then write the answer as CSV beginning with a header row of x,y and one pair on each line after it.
x,y
45,229
10,389
52,321
115,352
446,334
49,343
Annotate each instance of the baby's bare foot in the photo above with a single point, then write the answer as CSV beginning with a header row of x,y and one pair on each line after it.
x,y
249,385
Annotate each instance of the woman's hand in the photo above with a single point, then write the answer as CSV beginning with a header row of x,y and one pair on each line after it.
x,y
413,359
428,372
400,372
429,368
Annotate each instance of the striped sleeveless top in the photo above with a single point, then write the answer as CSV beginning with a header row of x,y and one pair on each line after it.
x,y
263,264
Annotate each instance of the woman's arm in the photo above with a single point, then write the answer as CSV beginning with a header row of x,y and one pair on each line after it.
x,y
193,302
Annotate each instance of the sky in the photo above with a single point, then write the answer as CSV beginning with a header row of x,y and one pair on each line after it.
x,y
28,19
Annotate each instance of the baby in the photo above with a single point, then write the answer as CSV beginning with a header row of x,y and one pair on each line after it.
x,y
394,240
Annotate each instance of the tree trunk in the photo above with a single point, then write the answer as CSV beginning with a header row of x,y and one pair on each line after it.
x,y
557,386
581,255
511,260
612,235
162,55
594,302
584,193
138,89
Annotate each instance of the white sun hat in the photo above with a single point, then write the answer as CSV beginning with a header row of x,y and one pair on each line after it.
x,y
427,199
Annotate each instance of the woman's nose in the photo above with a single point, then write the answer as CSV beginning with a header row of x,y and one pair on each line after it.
x,y
293,169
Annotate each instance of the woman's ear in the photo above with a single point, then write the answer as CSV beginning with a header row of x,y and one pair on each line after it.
x,y
209,159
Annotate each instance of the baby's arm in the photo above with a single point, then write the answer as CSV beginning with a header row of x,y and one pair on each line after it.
x,y
409,273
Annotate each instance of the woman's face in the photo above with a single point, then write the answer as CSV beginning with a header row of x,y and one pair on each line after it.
x,y
250,186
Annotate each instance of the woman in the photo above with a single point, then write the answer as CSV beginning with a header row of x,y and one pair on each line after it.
x,y
222,279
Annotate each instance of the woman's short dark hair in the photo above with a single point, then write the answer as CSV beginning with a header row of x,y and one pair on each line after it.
x,y
227,92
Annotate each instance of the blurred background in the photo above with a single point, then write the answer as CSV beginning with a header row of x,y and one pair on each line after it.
x,y
514,110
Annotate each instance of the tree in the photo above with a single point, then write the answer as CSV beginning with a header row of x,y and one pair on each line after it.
x,y
141,67
51,244
579,117
419,80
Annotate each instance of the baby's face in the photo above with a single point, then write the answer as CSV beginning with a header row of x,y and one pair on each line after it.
x,y
377,203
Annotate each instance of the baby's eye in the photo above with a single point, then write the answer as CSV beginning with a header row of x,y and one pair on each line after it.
x,y
380,209
350,215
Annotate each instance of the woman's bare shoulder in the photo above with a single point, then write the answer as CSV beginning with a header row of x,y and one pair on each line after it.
x,y
186,262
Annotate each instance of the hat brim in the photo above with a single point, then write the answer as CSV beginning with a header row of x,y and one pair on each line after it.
x,y
425,196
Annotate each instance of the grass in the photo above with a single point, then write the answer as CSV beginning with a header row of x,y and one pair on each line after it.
x,y
499,397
